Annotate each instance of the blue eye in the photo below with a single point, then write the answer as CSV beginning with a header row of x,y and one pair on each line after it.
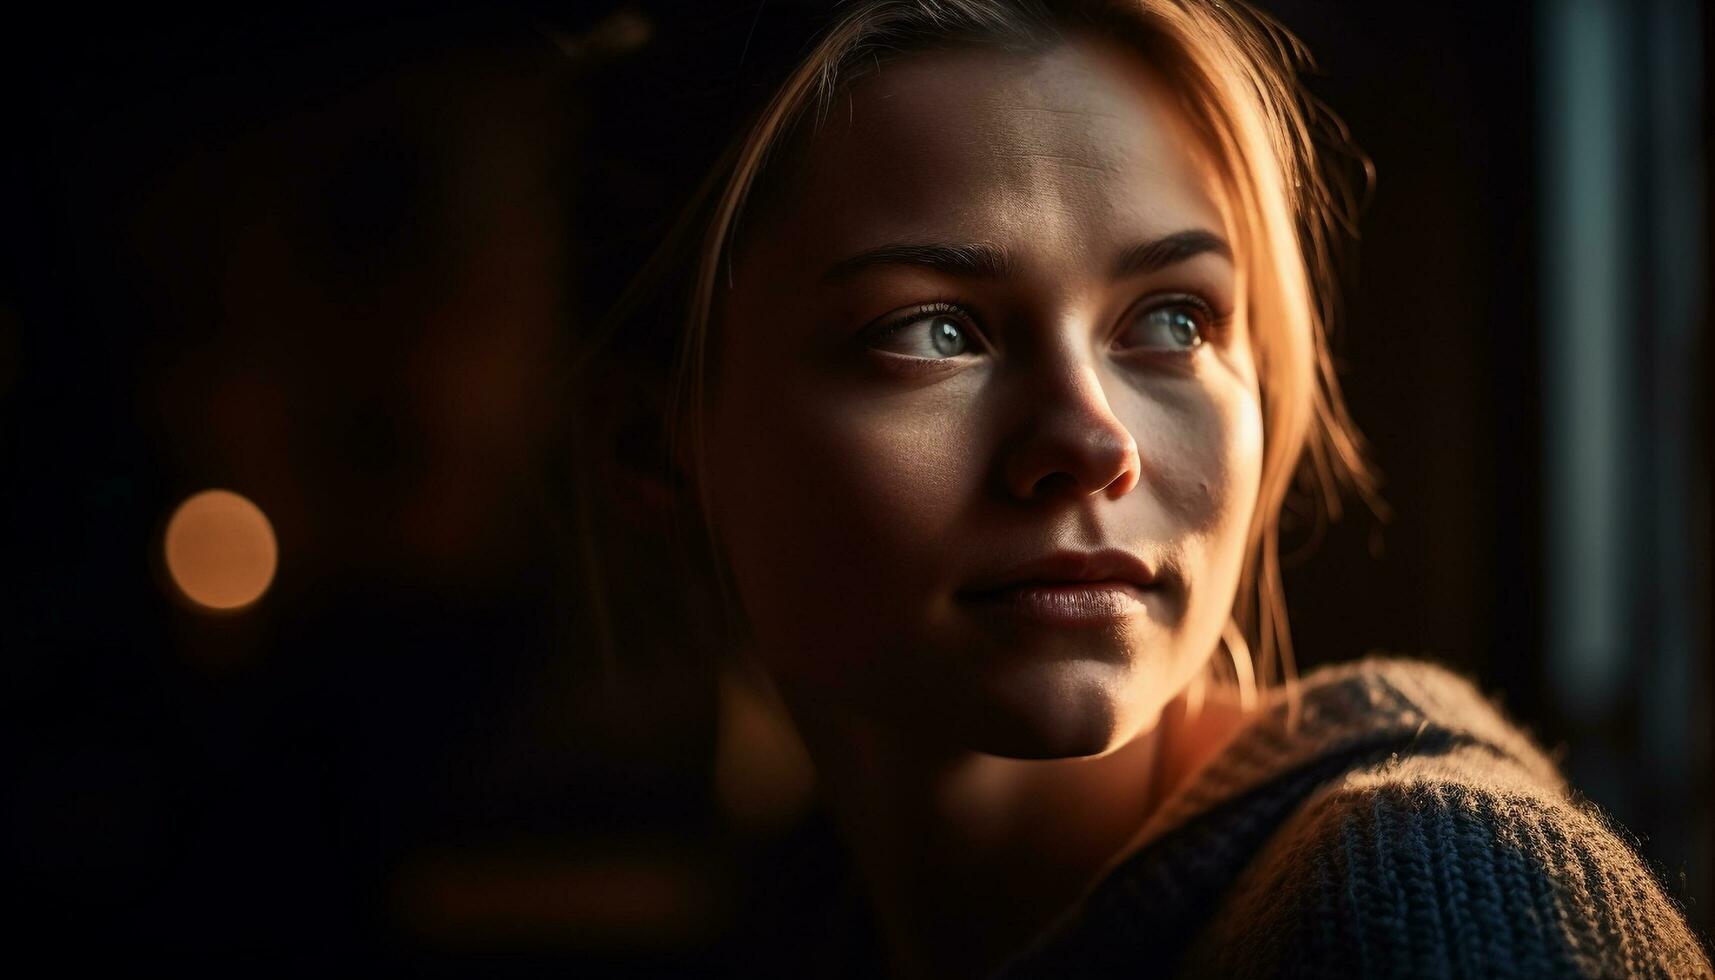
x,y
1179,325
935,337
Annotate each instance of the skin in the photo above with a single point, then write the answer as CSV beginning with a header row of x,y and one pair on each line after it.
x,y
864,484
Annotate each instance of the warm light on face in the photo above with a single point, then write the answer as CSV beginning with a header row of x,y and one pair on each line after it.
x,y
1001,328
220,550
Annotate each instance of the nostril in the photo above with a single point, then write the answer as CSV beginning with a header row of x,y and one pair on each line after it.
x,y
1055,485
1071,445
1127,479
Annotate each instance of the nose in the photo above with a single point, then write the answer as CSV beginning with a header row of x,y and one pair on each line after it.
x,y
1071,444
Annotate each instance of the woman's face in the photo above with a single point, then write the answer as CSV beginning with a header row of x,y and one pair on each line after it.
x,y
984,438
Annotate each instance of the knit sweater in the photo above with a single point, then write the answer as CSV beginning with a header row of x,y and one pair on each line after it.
x,y
1403,828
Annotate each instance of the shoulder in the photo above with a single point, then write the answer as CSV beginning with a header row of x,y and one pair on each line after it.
x,y
1464,858
1339,719
1389,821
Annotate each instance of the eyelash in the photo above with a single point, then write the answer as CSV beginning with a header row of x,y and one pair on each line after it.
x,y
1214,325
888,326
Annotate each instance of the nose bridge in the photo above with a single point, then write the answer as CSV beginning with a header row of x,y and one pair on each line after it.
x,y
1070,438
1066,381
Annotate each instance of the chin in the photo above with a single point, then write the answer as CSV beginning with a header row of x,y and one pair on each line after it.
x,y
1079,710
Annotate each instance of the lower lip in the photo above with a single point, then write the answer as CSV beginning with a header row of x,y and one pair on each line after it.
x,y
1080,604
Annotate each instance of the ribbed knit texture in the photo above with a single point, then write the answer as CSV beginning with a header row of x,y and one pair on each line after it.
x,y
1404,829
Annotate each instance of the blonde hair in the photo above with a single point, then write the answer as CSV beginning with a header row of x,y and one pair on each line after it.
x,y
1235,74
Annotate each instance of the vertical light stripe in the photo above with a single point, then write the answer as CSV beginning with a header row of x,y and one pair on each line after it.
x,y
1675,724
1588,336
1674,182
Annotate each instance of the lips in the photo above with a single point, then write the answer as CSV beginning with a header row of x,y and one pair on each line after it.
x,y
1070,569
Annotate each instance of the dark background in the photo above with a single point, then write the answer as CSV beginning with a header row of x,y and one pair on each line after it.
x,y
335,262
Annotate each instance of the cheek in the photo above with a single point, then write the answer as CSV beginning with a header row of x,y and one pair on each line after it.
x,y
1201,452
1202,461
831,509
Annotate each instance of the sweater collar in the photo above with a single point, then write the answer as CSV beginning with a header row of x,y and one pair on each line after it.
x,y
1342,708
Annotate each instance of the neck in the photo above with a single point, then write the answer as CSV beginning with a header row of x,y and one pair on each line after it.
x,y
967,855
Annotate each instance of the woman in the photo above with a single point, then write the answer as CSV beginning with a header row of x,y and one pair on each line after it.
x,y
997,341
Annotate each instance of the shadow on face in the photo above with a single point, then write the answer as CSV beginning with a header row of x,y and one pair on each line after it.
x,y
984,439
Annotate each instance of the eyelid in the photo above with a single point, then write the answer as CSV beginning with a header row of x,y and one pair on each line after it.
x,y
891,323
1214,324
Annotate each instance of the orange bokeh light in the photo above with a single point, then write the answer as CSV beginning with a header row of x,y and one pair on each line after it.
x,y
220,550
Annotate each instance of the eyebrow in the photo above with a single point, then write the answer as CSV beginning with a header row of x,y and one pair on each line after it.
x,y
1169,250
985,260
974,260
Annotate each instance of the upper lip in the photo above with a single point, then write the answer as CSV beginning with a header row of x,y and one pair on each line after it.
x,y
1070,567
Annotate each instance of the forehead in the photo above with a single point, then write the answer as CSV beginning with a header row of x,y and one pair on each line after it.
x,y
1060,156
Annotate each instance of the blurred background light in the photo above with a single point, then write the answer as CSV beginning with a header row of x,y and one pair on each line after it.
x,y
1625,453
220,550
